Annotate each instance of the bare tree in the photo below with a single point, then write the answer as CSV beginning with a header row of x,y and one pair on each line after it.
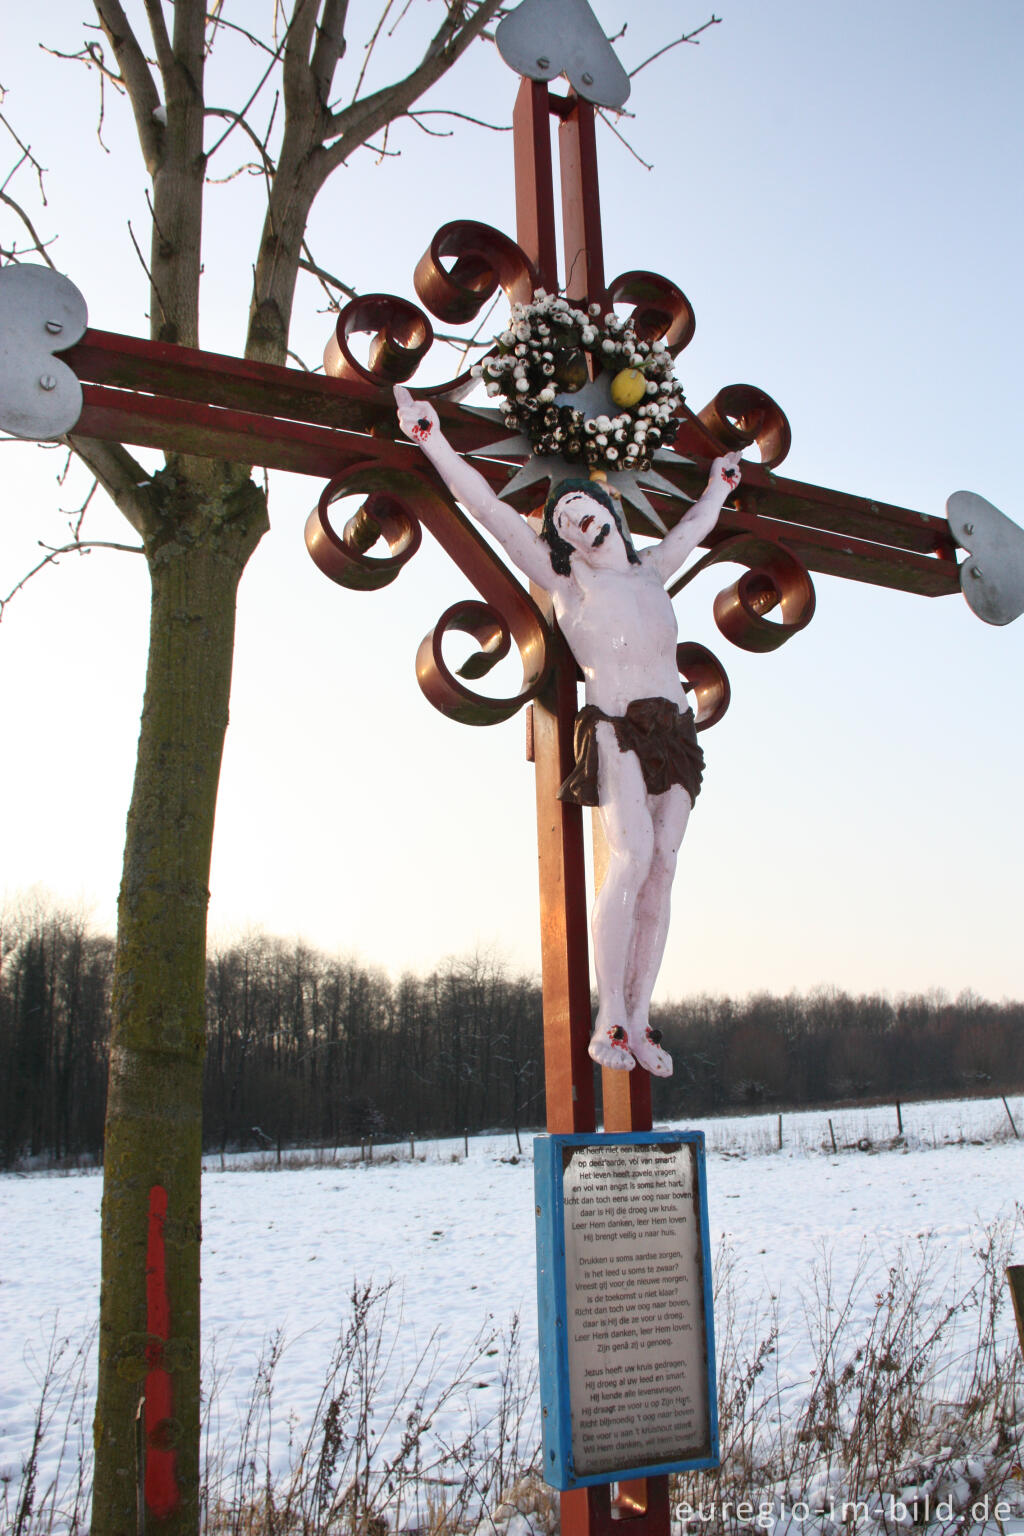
x,y
198,522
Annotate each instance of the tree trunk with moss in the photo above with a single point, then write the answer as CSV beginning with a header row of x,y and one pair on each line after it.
x,y
149,1309
199,523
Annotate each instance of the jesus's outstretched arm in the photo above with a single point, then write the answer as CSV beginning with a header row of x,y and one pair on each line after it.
x,y
419,421
697,521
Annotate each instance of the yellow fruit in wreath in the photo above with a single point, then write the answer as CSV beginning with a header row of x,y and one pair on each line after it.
x,y
628,388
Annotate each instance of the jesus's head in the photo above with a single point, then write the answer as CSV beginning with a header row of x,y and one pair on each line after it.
x,y
581,509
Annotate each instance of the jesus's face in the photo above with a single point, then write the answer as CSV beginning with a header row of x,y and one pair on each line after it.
x,y
583,522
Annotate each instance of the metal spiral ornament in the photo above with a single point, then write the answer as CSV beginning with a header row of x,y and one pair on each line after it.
x,y
461,270
402,337
397,503
741,415
775,578
483,259
661,311
704,676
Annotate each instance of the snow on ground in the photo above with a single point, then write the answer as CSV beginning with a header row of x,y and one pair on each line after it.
x,y
282,1247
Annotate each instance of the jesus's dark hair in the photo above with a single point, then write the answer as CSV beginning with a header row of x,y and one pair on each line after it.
x,y
561,550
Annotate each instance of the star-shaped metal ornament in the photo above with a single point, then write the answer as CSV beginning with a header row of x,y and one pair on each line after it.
x,y
594,400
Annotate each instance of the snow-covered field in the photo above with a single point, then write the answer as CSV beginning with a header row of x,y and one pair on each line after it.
x,y
282,1246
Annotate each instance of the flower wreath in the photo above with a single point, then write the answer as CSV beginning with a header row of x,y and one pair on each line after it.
x,y
541,362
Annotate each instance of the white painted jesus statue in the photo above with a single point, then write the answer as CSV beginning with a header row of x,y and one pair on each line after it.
x,y
637,757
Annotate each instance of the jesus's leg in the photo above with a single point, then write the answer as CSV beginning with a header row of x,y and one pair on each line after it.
x,y
670,813
629,833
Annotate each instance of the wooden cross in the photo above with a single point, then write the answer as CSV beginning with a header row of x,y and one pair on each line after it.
x,y
342,430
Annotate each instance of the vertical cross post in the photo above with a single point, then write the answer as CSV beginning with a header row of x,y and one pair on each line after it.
x,y
569,1072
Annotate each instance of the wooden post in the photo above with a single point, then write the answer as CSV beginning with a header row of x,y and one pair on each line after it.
x,y
780,1133
565,969
1009,1117
899,1119
833,1135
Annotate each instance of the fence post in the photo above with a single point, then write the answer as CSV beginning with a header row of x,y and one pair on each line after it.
x,y
412,1148
833,1135
1010,1117
899,1119
1015,1276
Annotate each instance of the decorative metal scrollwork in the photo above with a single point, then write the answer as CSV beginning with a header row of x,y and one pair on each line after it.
x,y
442,687
464,265
661,311
741,414
397,503
484,259
704,677
775,579
402,337
343,556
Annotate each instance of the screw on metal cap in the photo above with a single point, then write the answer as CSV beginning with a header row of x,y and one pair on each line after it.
x,y
544,38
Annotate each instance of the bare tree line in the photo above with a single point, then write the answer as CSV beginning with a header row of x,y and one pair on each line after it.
x,y
306,1048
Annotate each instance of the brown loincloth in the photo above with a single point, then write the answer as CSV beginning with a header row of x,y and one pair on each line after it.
x,y
663,737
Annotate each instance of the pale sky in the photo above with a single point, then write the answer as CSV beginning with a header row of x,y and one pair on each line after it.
x,y
836,189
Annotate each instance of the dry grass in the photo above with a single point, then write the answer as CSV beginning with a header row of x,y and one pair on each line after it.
x,y
912,1413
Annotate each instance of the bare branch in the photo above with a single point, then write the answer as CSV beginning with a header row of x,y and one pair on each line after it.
x,y
298,81
145,268
330,48
216,21
465,344
161,41
464,117
314,144
91,55
123,478
622,139
238,121
15,168
401,17
359,122
53,555
241,116
688,37
77,517
26,154
38,243
383,153
247,168
326,279
137,78
369,47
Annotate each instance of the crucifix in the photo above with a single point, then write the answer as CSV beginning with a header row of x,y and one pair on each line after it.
x,y
342,429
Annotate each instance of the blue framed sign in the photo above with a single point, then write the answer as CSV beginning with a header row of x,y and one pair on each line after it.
x,y
627,1350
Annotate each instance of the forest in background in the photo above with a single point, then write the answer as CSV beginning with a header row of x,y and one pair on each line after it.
x,y
306,1048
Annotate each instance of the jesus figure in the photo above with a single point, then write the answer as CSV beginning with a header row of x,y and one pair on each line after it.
x,y
637,757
